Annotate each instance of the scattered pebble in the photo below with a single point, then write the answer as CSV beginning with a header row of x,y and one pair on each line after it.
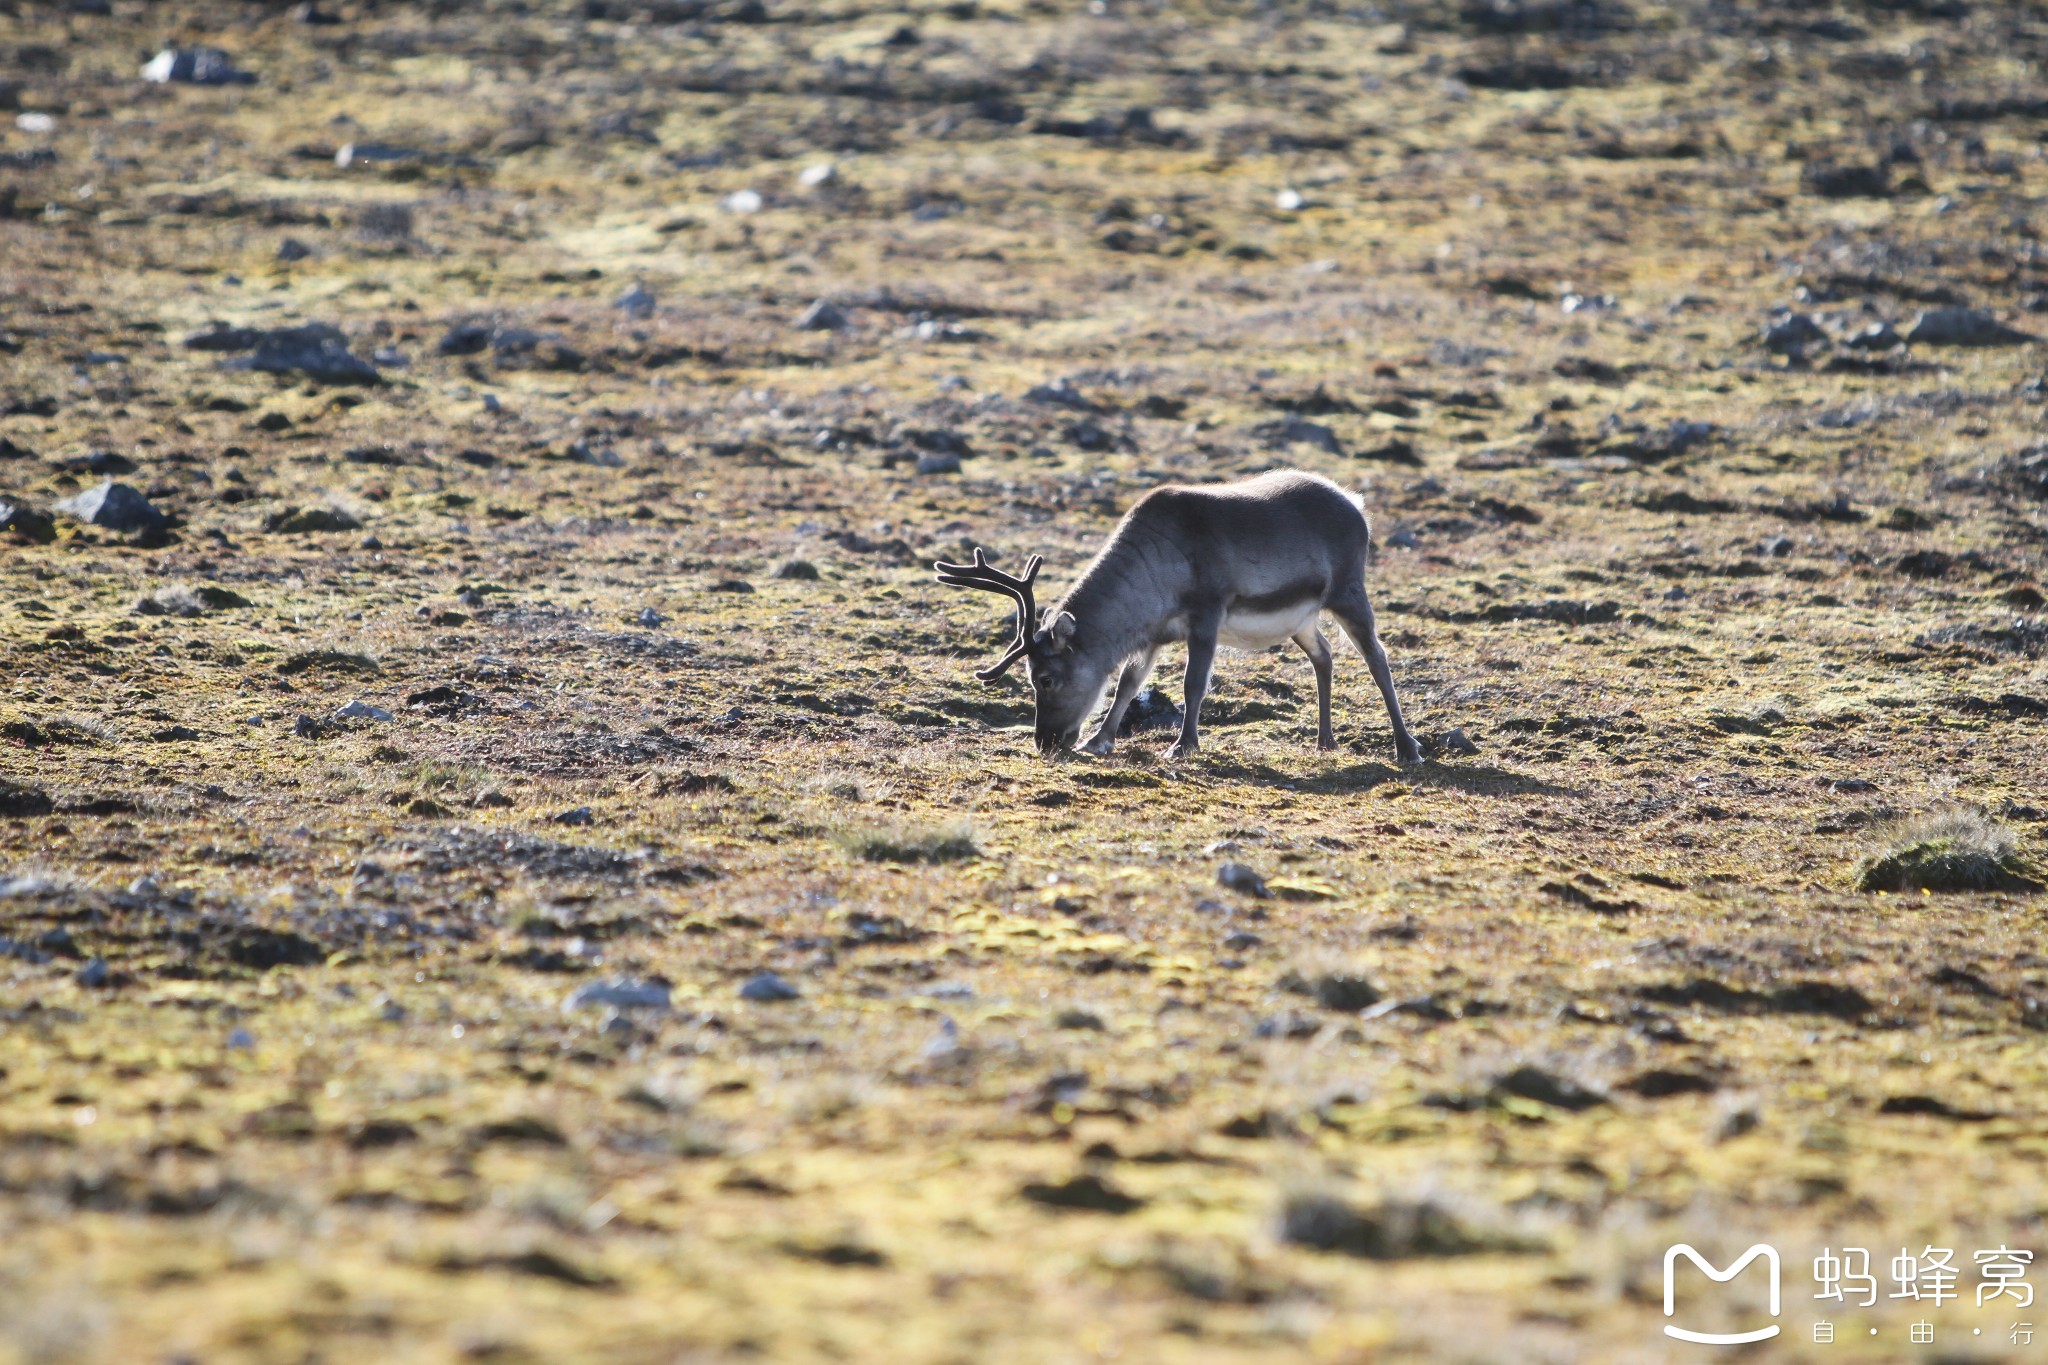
x,y
581,815
195,66
292,249
823,316
494,800
946,1043
1792,334
39,124
637,302
241,1040
619,993
94,974
938,462
361,710
801,569
1459,743
1290,201
742,201
815,176
649,618
374,154
1241,940
1241,878
767,987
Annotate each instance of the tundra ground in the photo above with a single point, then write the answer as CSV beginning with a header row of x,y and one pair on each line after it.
x,y
1598,305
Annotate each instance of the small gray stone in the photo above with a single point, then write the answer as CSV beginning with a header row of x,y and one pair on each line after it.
x,y
317,350
1878,336
649,617
938,462
195,66
768,988
619,993
823,316
1295,431
374,154
94,974
292,249
1241,878
1241,940
637,302
361,710
1458,742
581,815
1792,334
800,569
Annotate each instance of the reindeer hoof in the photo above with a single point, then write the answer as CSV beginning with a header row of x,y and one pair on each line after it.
x,y
1099,746
1182,750
1325,743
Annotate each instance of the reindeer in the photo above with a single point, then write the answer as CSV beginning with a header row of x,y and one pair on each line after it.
x,y
1244,564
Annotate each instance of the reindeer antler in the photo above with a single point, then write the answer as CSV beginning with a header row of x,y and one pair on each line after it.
x,y
981,574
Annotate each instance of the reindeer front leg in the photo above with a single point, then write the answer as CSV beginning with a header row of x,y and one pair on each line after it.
x,y
1201,658
1128,686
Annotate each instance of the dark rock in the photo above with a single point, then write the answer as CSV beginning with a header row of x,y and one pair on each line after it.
x,y
1878,336
1088,1192
1151,709
300,521
1534,1083
1963,327
1241,878
220,338
292,249
1933,1107
823,316
1394,1231
637,302
27,523
376,154
118,507
263,949
1831,180
1660,1084
1060,393
317,350
1296,431
1457,742
1792,334
768,988
580,815
1925,564
800,569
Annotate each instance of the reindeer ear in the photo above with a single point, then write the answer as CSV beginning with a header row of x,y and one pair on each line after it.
x,y
1060,630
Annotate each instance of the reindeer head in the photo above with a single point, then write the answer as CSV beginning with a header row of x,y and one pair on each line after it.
x,y
1062,694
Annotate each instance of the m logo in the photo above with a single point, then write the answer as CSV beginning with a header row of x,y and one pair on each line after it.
x,y
1770,1255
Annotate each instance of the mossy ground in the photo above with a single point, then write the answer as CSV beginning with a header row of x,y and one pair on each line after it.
x,y
1049,1101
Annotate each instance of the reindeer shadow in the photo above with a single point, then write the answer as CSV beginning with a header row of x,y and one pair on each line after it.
x,y
1477,779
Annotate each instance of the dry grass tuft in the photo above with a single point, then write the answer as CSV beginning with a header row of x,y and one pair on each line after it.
x,y
911,844
1949,848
